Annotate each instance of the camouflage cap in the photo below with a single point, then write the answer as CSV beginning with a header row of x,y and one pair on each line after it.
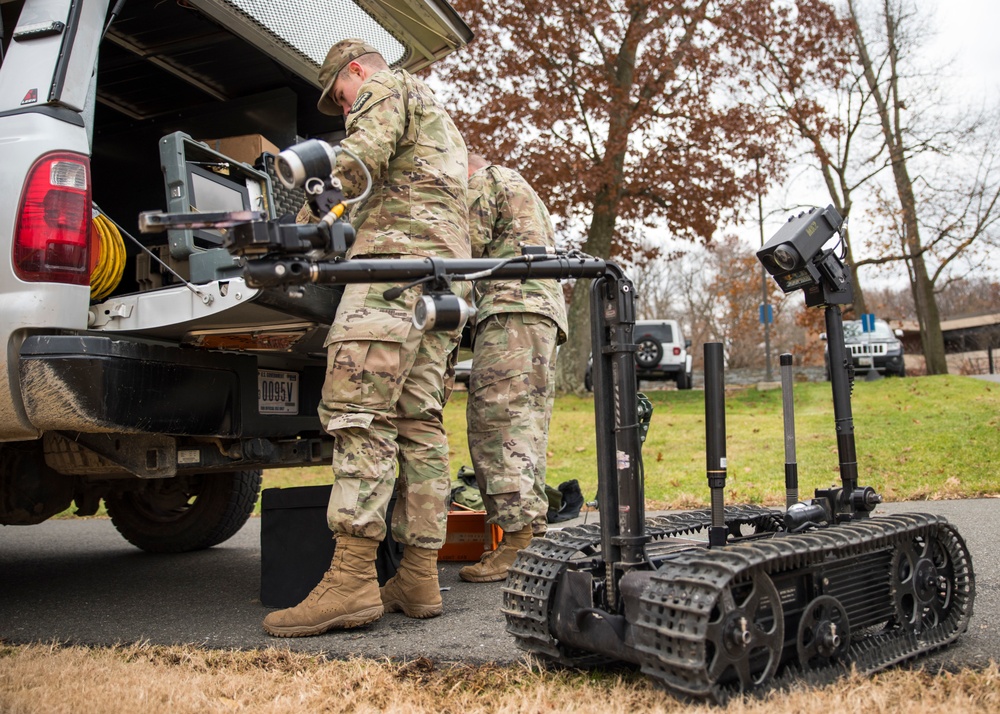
x,y
339,56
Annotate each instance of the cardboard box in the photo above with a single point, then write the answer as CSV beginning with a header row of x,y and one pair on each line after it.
x,y
245,149
469,536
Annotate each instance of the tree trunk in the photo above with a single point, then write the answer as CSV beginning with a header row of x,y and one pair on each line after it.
x,y
931,337
573,355
858,305
889,107
572,364
928,317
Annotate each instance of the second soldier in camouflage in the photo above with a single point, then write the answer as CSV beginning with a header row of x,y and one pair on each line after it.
x,y
519,325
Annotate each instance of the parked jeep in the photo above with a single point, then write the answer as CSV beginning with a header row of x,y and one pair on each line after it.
x,y
879,350
132,369
661,354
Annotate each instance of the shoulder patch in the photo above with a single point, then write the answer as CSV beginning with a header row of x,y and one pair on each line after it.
x,y
359,103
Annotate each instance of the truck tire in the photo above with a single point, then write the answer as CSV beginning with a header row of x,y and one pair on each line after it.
x,y
648,353
30,491
187,513
684,380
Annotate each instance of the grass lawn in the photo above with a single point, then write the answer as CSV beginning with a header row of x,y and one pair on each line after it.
x,y
916,438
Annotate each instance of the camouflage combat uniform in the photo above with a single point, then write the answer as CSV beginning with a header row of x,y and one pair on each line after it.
x,y
519,325
384,390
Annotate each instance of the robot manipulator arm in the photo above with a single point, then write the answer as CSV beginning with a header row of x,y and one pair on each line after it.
x,y
312,166
253,236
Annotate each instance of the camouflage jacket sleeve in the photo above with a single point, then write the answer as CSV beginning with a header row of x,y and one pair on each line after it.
x,y
482,212
417,158
375,125
504,214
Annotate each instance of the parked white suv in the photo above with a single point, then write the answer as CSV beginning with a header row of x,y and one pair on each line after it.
x,y
132,369
661,353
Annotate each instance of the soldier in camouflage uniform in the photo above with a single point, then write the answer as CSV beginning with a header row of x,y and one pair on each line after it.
x,y
519,324
384,390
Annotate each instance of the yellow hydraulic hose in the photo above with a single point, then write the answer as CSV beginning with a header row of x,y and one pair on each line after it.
x,y
111,261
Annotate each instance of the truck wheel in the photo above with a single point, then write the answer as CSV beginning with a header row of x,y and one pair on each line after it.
x,y
185,513
648,353
30,491
684,380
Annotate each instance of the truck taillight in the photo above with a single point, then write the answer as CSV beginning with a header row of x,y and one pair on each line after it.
x,y
52,238
677,351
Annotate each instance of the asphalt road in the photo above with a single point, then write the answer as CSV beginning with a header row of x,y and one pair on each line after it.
x,y
78,581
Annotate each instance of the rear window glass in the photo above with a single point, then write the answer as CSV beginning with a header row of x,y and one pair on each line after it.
x,y
853,328
660,333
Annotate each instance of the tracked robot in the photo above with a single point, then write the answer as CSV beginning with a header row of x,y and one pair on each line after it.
x,y
708,603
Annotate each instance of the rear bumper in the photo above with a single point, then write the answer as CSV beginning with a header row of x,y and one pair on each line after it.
x,y
661,371
98,384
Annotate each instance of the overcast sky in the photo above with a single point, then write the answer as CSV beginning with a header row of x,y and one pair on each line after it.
x,y
967,37
969,33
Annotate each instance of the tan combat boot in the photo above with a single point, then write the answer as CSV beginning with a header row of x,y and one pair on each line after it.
x,y
414,588
346,597
494,565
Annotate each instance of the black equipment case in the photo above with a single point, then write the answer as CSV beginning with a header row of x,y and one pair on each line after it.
x,y
296,545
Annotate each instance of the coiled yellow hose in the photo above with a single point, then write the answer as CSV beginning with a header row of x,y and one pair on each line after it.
x,y
111,259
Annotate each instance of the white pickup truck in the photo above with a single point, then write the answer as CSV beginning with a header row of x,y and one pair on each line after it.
x,y
133,368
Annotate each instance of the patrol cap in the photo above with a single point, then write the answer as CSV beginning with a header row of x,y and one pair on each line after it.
x,y
339,56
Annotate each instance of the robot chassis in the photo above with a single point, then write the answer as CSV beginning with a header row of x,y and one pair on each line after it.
x,y
708,603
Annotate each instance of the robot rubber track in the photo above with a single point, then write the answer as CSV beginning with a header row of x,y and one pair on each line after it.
x,y
761,598
766,609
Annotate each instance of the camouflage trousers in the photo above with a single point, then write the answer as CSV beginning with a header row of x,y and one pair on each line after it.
x,y
382,401
511,391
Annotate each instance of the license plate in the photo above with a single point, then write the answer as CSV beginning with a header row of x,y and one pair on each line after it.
x,y
864,361
277,392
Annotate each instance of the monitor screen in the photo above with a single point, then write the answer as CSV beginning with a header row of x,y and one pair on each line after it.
x,y
193,186
211,192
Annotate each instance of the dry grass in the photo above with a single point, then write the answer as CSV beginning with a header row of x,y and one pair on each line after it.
x,y
52,678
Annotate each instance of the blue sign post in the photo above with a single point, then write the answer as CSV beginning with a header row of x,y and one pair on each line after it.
x,y
770,314
868,327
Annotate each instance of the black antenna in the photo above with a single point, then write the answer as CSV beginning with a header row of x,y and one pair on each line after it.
x,y
115,12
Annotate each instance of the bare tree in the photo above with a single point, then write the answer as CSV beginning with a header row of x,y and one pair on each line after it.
x,y
870,108
970,296
960,297
714,292
698,301
885,48
892,303
804,66
654,272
